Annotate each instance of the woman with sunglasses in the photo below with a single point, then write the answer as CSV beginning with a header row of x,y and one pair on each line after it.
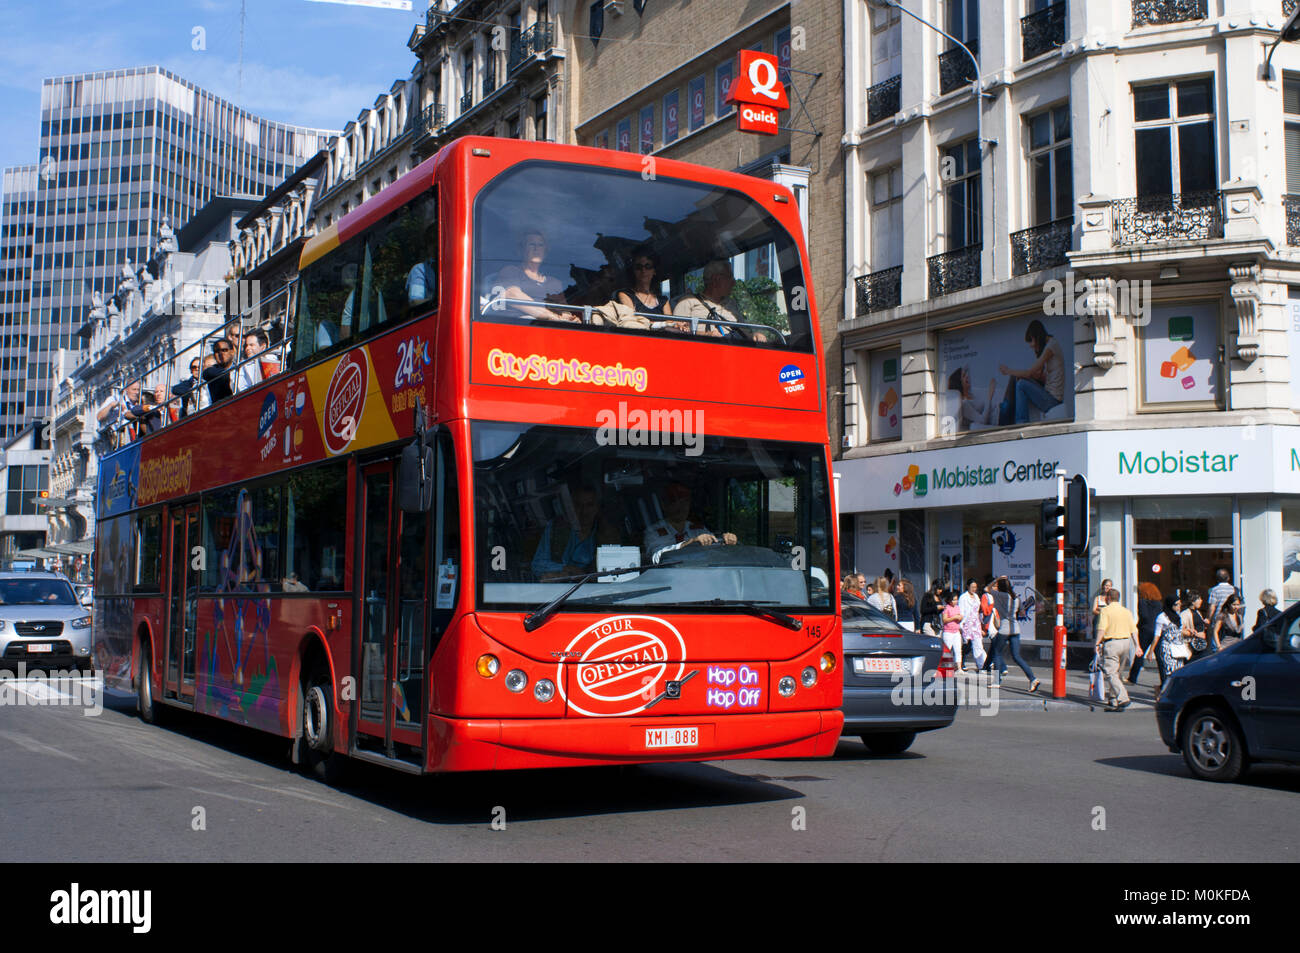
x,y
642,296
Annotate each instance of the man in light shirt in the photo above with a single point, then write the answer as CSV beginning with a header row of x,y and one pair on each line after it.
x,y
1116,629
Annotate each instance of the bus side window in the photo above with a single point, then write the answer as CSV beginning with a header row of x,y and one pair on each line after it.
x,y
314,528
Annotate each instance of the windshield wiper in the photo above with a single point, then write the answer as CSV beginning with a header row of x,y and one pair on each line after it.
x,y
766,612
538,617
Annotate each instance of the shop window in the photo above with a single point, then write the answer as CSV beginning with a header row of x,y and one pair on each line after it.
x,y
1180,356
1290,555
1180,543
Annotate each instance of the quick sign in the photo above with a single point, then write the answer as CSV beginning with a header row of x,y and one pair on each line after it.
x,y
758,91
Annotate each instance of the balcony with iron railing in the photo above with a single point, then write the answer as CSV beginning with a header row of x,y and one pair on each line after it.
x,y
1152,219
536,39
1291,204
883,100
1041,246
1162,12
466,102
955,270
956,68
879,290
1042,31
1288,7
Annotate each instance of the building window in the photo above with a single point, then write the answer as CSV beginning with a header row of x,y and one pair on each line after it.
x,y
1291,110
887,219
886,43
960,170
1174,138
1051,171
540,132
596,23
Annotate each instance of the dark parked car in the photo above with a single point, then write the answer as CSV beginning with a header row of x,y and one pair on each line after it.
x,y
886,669
1239,705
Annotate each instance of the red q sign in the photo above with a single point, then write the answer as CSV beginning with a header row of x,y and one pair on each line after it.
x,y
758,81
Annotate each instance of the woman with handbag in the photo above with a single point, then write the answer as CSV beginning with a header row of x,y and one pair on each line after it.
x,y
882,599
1169,647
1195,624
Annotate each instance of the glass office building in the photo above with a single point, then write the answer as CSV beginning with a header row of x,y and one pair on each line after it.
x,y
120,152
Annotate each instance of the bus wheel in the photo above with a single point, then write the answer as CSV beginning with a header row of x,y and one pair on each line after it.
x,y
319,759
144,702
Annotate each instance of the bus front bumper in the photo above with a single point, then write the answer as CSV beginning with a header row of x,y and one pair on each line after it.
x,y
490,744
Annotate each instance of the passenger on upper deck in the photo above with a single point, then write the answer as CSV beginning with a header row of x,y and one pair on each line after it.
x,y
527,281
713,302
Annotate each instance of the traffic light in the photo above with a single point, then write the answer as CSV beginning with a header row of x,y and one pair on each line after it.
x,y
1077,527
1047,529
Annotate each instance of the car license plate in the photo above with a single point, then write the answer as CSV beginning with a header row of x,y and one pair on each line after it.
x,y
686,737
35,647
878,666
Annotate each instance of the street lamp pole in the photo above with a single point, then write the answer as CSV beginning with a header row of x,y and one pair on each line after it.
x,y
975,86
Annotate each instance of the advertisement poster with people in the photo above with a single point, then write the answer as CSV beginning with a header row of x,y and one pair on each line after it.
x,y
1004,373
1014,550
1290,564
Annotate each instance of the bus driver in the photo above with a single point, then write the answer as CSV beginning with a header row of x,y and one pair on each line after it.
x,y
676,529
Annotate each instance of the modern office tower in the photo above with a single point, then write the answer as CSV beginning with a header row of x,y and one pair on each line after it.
x,y
121,151
17,213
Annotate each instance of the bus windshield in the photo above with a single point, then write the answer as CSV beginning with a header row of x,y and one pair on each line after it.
x,y
618,252
712,518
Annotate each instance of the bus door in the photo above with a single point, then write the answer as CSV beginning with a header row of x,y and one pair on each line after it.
x,y
182,602
393,568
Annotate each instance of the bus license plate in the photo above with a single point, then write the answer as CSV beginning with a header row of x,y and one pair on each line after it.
x,y
35,647
672,737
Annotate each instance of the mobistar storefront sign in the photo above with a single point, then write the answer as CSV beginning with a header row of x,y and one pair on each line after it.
x,y
984,473
1198,460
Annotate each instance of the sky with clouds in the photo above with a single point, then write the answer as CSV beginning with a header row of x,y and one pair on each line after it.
x,y
315,64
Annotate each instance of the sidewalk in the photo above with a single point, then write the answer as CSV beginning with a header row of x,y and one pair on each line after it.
x,y
1014,694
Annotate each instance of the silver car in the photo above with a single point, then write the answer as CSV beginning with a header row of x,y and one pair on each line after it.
x,y
43,624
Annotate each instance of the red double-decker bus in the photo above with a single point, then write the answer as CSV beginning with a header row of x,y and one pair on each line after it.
x,y
545,481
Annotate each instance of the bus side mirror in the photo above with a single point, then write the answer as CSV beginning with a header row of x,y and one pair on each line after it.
x,y
415,478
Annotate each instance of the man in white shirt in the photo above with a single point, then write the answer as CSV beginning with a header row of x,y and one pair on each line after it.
x,y
676,529
250,372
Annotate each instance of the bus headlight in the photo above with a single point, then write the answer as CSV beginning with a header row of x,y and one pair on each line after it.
x,y
487,665
544,690
516,680
828,662
808,676
785,686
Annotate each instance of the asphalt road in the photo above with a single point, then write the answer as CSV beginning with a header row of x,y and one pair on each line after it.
x,y
1022,785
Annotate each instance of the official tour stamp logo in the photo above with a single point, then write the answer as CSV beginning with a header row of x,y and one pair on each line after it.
x,y
623,662
345,400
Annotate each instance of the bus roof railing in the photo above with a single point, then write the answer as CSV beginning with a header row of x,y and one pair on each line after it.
x,y
281,349
595,314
